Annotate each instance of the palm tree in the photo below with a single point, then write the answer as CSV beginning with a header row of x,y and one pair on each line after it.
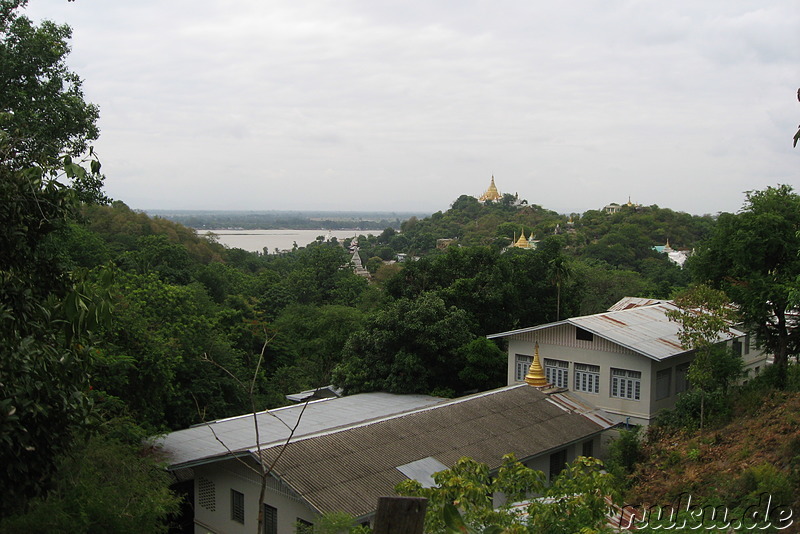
x,y
560,272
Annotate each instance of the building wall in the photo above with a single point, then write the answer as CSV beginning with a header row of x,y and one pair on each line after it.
x,y
232,475
560,343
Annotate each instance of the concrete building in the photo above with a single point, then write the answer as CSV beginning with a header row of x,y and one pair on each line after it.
x,y
628,361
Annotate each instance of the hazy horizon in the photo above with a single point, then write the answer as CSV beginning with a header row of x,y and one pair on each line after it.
x,y
404,106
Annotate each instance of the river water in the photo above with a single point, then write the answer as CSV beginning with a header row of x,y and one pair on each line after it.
x,y
258,240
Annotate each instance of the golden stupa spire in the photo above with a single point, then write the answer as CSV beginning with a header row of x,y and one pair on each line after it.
x,y
492,193
535,376
522,242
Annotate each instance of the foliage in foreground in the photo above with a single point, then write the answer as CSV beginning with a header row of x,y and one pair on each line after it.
x,y
574,502
105,485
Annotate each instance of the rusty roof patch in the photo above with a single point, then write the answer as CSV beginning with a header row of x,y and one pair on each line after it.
x,y
607,318
670,343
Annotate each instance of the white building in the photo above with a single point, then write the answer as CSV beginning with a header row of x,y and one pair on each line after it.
x,y
346,452
627,361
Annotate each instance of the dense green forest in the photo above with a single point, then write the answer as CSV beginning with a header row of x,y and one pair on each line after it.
x,y
116,325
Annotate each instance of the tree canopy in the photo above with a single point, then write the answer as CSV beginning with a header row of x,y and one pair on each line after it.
x,y
43,114
47,314
753,257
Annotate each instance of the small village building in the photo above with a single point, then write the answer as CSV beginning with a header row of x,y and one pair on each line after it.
x,y
627,361
346,452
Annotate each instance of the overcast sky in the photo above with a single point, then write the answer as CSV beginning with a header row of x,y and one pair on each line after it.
x,y
405,105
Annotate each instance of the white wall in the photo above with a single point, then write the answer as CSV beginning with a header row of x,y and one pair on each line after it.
x,y
559,343
599,352
231,474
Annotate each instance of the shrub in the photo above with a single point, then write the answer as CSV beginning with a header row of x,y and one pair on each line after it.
x,y
760,479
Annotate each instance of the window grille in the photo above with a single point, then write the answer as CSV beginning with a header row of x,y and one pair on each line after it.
x,y
237,506
587,378
557,372
270,519
206,494
522,365
626,384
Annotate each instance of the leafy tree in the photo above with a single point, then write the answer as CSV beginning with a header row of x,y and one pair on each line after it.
x,y
600,286
706,316
484,365
46,315
574,502
315,336
154,351
318,277
410,346
43,115
104,485
500,291
155,254
753,257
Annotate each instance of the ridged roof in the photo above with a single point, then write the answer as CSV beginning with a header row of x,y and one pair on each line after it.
x,y
642,328
348,469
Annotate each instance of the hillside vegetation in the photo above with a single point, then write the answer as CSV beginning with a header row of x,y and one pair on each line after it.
x,y
749,456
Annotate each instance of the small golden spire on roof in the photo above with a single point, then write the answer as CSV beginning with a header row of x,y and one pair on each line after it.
x,y
535,376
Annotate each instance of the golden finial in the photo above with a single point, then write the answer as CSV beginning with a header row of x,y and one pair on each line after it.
x,y
535,376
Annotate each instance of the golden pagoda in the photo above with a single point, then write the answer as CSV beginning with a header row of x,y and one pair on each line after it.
x,y
522,242
492,193
535,376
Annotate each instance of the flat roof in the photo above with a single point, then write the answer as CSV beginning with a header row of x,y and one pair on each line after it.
x,y
237,434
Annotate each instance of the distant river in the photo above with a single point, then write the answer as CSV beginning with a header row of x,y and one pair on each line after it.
x,y
257,240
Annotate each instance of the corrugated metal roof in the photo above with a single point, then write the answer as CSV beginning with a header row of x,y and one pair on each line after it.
x,y
199,442
644,329
626,303
348,469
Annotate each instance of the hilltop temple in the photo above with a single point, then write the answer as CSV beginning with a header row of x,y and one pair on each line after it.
x,y
491,194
